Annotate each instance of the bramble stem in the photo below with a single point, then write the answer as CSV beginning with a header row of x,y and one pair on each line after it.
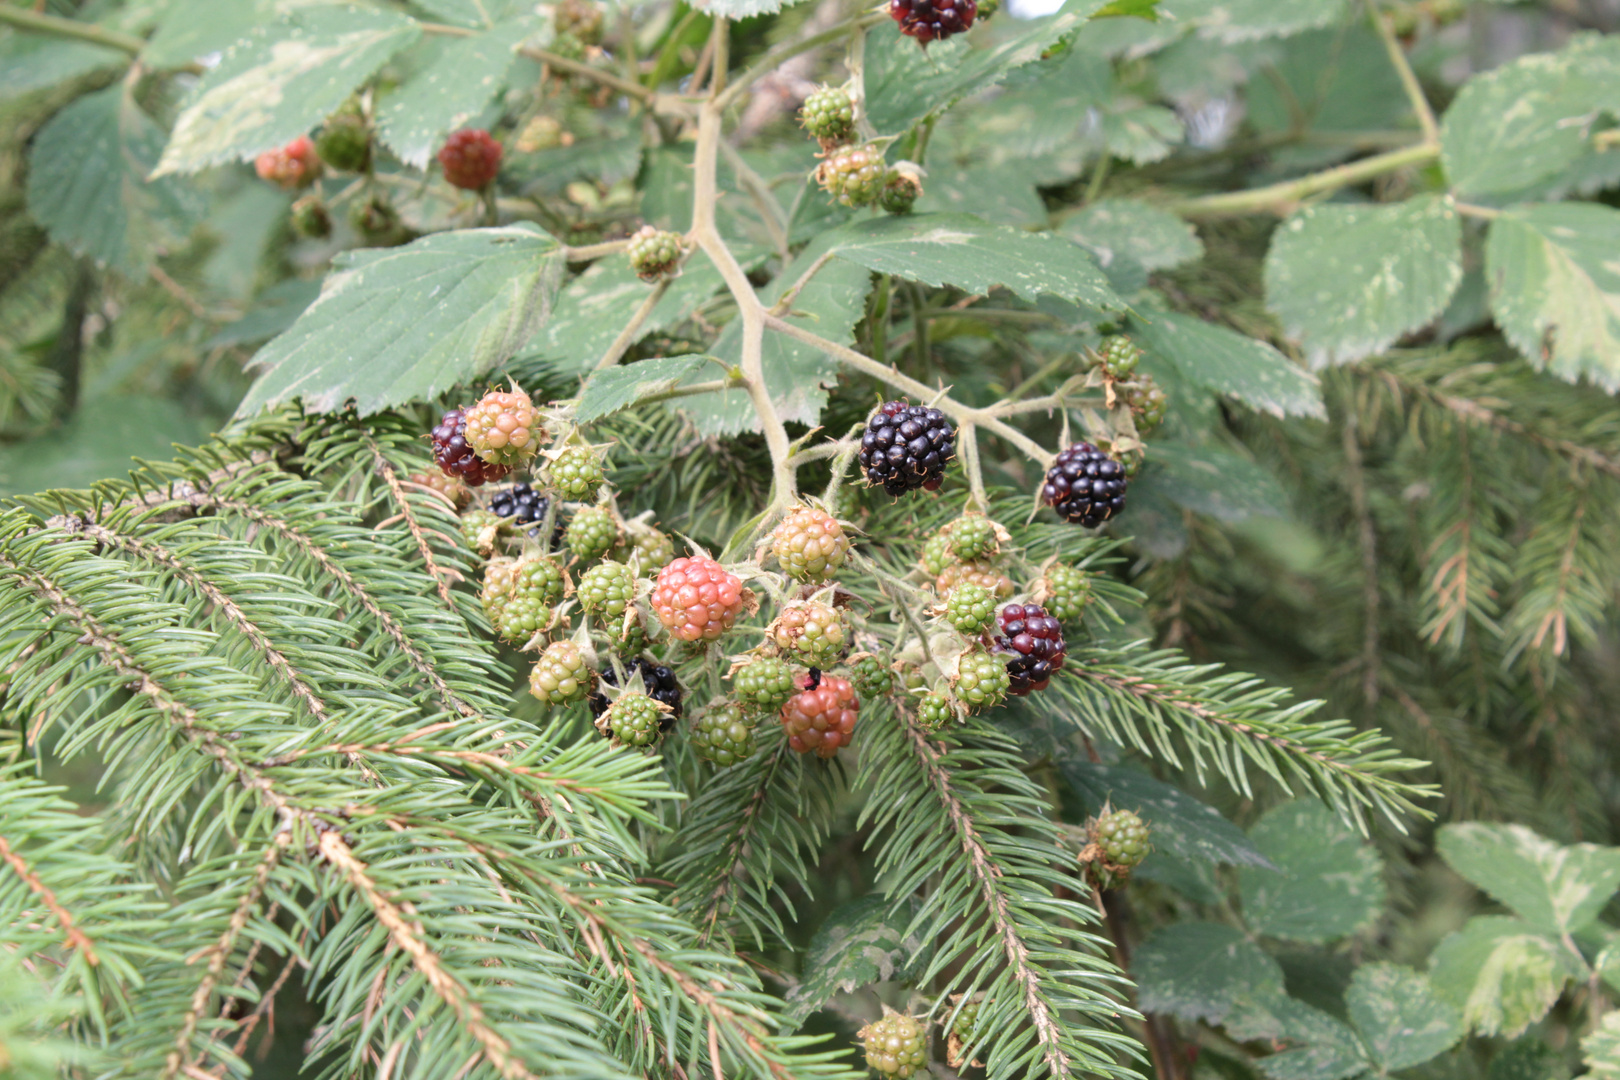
x,y
1279,198
592,252
621,344
606,78
57,26
1409,79
787,50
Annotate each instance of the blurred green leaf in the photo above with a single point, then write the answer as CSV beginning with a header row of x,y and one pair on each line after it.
x,y
1558,888
1200,970
30,62
1322,1048
1154,237
107,434
1230,363
615,388
414,118
1503,973
1209,480
1231,21
1600,1050
1400,1017
1328,883
190,29
861,942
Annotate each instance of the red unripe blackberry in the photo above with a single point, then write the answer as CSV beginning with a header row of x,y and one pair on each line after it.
x,y
696,599
906,447
561,675
855,174
456,456
633,720
896,1046
932,20
809,544
764,684
658,681
504,427
1085,486
289,167
470,158
653,252
814,634
821,719
1031,642
983,575
723,734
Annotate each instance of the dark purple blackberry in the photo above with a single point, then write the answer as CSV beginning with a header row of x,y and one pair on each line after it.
x,y
931,20
1033,643
1085,485
453,454
658,680
906,447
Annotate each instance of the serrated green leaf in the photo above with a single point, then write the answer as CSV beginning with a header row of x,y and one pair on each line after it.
x,y
1199,971
1141,9
1555,288
1601,1049
1232,21
1230,363
1141,133
193,28
1209,480
742,9
30,62
615,388
969,254
1503,973
1557,888
282,80
407,323
1001,192
414,118
1319,1047
473,14
862,942
1177,822
904,84
1328,882
1155,238
87,183
1400,1017
1350,280
273,311
1525,121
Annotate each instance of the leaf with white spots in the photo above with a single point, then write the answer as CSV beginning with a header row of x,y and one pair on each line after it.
x,y
1210,480
1315,1045
1555,287
405,324
862,942
1503,973
1328,883
970,254
1402,1020
1556,887
1200,970
1155,238
1601,1049
621,387
414,118
282,80
30,62
741,9
1349,280
1230,363
1231,21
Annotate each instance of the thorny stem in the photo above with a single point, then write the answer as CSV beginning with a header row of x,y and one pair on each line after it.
x,y
787,50
1409,79
770,210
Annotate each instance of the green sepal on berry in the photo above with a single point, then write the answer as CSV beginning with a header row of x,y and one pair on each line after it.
x,y
1064,593
561,676
895,1046
815,634
605,590
591,534
829,116
653,252
981,680
871,676
723,735
1119,356
763,684
634,719
575,472
973,537
853,174
970,608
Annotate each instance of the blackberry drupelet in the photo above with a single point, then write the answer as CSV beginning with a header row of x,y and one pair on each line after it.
x,y
906,447
1085,486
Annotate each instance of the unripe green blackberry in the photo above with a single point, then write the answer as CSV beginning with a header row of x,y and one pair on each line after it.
x,y
871,676
829,116
936,553
854,174
809,544
521,617
896,1046
900,192
579,19
653,550
577,473
478,528
561,675
1148,401
310,219
653,252
970,608
345,141
987,8
723,734
764,684
592,533
1065,591
983,575
973,536
1119,355
606,590
968,1015
1123,838
538,578
934,712
981,680
634,720
814,634
377,222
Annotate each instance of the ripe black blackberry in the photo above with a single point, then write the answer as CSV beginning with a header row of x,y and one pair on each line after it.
x,y
455,455
932,20
522,506
906,447
658,680
1032,642
1085,485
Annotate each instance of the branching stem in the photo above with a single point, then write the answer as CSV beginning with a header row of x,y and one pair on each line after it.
x,y
1409,79
1279,198
56,26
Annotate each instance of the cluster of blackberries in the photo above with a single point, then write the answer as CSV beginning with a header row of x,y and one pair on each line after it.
x,y
906,447
933,20
658,680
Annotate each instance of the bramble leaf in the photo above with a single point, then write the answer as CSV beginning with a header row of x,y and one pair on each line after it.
x,y
861,942
1560,889
1327,884
615,388
1503,973
1200,970
442,96
1177,822
1153,237
1400,1017
1230,363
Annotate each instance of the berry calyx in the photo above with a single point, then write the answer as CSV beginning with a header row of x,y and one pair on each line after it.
x,y
871,676
1065,592
289,167
935,711
561,675
906,447
479,528
973,537
932,20
764,684
813,633
605,590
377,222
592,533
723,734
470,158
456,456
981,680
310,219
653,252
809,544
697,599
1085,486
820,718
896,1046
853,174
983,575
504,427
1031,644
1123,837
345,141
576,473
633,720
1119,356
658,682
971,608
829,116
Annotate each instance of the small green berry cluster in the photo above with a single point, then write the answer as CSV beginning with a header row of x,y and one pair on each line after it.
x,y
654,252
576,473
871,676
895,1046
935,711
829,116
1065,591
1123,837
973,536
606,590
970,608
981,680
591,534
560,676
724,734
1119,356
1148,401
634,719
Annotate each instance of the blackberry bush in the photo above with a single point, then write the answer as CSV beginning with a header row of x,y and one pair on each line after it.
x,y
503,428
561,675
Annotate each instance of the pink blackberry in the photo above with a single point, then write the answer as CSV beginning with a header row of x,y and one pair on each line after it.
x,y
470,159
821,716
696,599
